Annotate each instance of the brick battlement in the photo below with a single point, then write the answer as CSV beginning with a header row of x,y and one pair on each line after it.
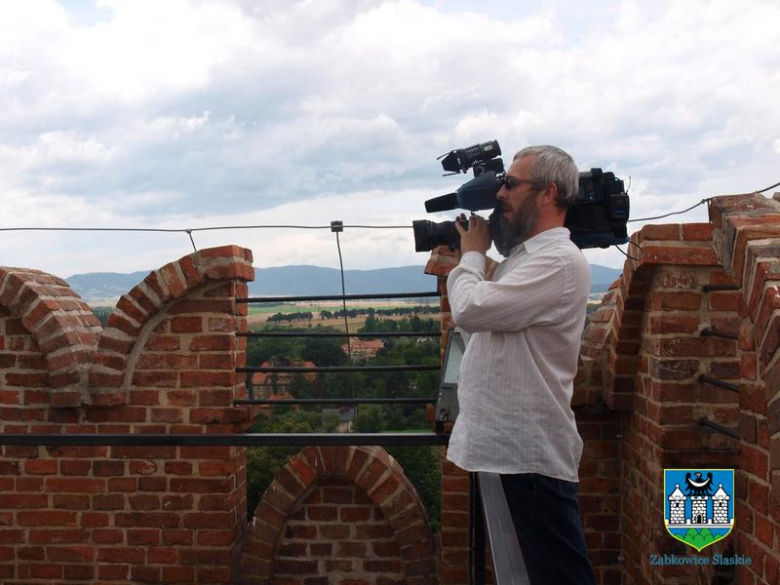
x,y
166,361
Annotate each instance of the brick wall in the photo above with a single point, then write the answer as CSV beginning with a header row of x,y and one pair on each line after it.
x,y
164,364
645,352
166,361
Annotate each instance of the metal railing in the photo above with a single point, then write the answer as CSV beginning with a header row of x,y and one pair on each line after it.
x,y
271,369
489,517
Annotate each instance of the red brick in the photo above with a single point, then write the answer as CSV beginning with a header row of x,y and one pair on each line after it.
x,y
163,343
24,500
294,567
160,379
215,397
201,379
687,255
147,520
46,518
58,536
40,466
75,467
216,537
725,301
178,468
187,324
322,513
764,529
373,531
131,309
167,415
177,537
213,575
79,572
145,574
188,305
680,301
753,460
173,281
192,275
354,514
144,502
201,486
674,324
671,369
71,554
217,361
697,231
660,232
213,343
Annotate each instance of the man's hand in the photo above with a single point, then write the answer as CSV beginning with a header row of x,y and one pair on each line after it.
x,y
476,238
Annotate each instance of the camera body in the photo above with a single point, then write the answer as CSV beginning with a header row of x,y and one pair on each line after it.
x,y
596,219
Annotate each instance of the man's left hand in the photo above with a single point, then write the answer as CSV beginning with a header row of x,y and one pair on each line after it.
x,y
477,237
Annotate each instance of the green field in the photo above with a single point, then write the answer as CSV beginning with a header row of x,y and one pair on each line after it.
x,y
262,308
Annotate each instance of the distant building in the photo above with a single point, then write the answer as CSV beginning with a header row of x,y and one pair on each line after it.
x,y
267,385
346,416
364,349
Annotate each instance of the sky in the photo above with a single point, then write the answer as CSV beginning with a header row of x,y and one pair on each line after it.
x,y
196,113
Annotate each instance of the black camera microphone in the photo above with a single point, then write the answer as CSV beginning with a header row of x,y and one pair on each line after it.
x,y
478,193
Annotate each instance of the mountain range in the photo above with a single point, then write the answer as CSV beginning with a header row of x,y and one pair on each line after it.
x,y
305,280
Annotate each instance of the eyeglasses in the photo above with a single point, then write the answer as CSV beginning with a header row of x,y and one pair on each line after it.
x,y
510,183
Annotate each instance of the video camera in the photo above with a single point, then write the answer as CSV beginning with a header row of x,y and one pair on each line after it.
x,y
596,219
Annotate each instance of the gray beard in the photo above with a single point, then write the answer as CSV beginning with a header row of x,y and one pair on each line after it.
x,y
505,235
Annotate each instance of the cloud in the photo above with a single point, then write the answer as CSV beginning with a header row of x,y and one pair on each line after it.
x,y
193,112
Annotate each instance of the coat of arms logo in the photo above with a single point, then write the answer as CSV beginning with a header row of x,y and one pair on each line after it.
x,y
699,505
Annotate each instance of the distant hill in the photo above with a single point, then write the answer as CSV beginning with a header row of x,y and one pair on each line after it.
x,y
95,286
304,280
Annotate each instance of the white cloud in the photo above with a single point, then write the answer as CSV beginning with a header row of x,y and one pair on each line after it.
x,y
192,112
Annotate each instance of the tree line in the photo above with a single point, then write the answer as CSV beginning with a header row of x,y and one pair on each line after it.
x,y
354,313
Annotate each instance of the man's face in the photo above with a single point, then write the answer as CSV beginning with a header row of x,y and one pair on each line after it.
x,y
518,197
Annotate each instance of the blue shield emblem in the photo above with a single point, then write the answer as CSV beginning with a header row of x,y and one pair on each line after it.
x,y
699,505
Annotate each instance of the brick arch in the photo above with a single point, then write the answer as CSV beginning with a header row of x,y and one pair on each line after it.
x,y
372,470
133,319
609,356
61,324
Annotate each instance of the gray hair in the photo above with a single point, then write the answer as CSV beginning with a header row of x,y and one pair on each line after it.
x,y
553,165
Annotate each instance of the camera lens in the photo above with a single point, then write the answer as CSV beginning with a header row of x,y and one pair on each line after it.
x,y
428,234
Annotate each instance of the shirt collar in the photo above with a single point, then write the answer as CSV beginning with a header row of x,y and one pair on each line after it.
x,y
541,240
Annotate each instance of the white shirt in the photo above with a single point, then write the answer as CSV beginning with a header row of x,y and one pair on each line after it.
x,y
516,377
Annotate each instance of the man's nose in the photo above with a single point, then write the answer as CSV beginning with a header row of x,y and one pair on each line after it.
x,y
501,195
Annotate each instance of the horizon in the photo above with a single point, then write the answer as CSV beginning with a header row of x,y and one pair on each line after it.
x,y
293,266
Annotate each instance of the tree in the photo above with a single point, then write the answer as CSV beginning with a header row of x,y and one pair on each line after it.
x,y
323,352
371,419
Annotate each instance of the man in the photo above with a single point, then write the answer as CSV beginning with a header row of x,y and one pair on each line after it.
x,y
516,377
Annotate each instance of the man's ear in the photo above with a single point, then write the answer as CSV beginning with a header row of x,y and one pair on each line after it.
x,y
550,193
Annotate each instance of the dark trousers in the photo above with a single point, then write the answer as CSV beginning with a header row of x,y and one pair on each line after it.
x,y
546,516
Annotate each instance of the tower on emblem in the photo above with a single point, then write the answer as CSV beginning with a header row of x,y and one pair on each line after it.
x,y
694,512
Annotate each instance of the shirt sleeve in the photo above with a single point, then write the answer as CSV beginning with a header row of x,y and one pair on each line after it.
x,y
531,293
